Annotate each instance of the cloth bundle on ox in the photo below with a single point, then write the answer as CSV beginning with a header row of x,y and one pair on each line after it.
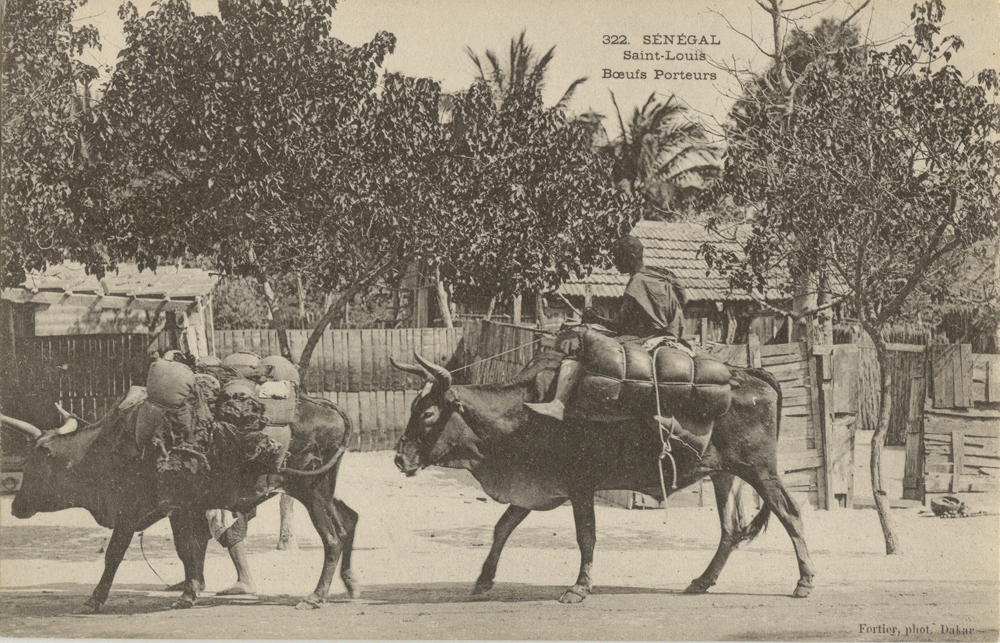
x,y
215,422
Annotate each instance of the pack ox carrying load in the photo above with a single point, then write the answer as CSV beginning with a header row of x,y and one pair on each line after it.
x,y
129,469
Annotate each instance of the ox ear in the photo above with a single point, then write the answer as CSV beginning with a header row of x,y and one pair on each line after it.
x,y
412,369
440,373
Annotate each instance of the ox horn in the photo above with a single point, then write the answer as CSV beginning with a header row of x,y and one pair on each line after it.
x,y
412,369
440,373
70,423
30,429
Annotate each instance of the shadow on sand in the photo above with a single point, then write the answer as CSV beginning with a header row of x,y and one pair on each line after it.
x,y
61,599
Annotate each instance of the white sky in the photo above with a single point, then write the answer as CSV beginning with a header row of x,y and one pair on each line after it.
x,y
432,36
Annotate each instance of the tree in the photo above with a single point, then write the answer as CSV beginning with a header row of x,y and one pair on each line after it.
x,y
43,103
660,152
534,201
259,139
882,171
523,75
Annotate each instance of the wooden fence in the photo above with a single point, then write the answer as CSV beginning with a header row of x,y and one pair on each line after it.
x,y
84,373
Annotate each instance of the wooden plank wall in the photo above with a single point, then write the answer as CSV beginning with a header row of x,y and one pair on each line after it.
x,y
800,452
961,450
352,369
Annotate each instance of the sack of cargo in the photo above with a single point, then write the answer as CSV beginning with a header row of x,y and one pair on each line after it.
x,y
209,360
279,369
239,388
619,377
169,384
279,399
244,363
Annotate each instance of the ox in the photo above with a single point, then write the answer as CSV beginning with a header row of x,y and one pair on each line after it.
x,y
102,468
532,463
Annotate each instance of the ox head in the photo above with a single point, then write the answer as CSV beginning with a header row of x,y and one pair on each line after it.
x,y
436,432
43,487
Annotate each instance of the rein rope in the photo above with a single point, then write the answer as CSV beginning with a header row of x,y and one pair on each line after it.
x,y
665,452
492,357
143,550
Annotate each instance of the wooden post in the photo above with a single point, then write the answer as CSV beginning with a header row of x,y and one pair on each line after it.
x,y
286,535
913,481
957,458
588,296
823,385
753,351
517,311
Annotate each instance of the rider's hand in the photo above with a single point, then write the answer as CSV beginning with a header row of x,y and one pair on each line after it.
x,y
590,316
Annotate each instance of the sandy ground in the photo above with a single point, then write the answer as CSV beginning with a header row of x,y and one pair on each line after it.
x,y
422,540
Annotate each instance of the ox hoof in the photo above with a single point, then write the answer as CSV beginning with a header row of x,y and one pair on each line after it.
x,y
182,603
90,607
309,603
697,587
351,583
802,590
179,587
574,594
482,587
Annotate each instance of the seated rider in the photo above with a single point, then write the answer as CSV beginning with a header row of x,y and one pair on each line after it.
x,y
652,306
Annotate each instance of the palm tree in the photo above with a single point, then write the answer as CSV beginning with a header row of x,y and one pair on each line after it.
x,y
525,72
661,152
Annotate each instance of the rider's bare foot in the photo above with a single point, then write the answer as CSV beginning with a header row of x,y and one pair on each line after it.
x,y
238,589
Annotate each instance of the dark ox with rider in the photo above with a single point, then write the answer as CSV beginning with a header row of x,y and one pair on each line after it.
x,y
617,410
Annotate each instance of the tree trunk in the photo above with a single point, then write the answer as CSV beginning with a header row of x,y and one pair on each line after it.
x,y
540,318
803,302
489,309
302,296
277,320
878,440
333,309
443,299
286,535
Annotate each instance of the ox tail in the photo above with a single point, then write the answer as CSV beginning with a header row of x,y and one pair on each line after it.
x,y
758,525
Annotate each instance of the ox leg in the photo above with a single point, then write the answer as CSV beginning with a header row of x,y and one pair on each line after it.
x,y
178,546
586,538
773,492
729,539
190,539
121,538
326,525
501,532
348,518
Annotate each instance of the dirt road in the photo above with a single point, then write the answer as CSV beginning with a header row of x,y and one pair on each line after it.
x,y
420,544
